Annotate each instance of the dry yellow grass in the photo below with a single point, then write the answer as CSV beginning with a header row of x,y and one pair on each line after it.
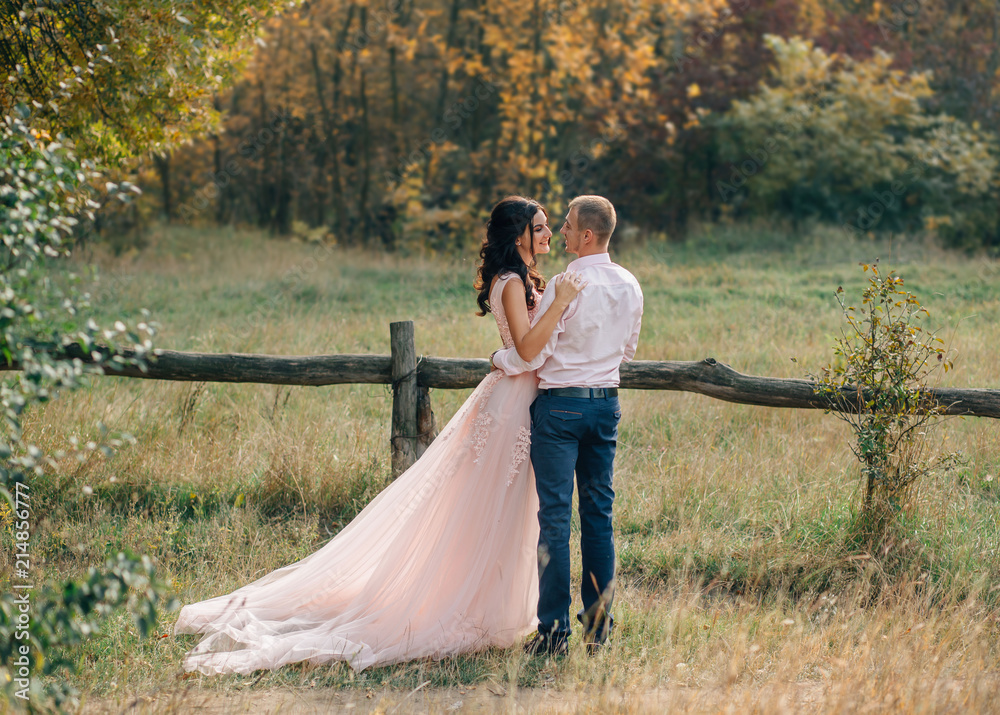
x,y
739,592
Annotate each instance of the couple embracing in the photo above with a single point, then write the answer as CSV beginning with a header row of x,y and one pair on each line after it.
x,y
469,548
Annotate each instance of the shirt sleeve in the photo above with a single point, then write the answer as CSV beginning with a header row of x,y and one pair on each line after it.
x,y
633,341
511,363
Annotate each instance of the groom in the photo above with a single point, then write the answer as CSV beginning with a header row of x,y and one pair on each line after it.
x,y
574,426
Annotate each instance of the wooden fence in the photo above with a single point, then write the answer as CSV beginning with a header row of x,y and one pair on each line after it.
x,y
412,378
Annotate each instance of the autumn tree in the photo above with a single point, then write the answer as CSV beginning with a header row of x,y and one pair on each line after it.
x,y
397,123
124,82
407,120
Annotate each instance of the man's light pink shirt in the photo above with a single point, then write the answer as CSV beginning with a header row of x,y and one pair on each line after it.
x,y
598,330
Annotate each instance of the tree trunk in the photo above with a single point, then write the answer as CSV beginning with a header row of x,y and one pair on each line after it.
x,y
282,192
163,168
222,187
449,43
264,193
319,194
365,161
339,207
394,87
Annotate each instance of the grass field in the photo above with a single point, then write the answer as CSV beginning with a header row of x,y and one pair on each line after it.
x,y
740,589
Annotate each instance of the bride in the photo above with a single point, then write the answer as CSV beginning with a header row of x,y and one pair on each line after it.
x,y
443,561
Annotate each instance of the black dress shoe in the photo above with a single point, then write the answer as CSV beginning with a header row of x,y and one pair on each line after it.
x,y
595,640
543,644
595,631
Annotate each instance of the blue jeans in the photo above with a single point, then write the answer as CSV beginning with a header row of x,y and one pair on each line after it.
x,y
575,434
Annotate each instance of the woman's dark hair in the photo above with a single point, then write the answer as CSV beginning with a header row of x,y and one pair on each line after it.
x,y
499,253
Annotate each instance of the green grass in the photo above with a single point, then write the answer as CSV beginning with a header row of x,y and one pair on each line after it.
x,y
730,519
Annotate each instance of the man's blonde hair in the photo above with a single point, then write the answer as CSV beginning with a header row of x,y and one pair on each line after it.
x,y
597,214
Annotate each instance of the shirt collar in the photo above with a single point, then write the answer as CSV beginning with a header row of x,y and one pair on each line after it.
x,y
595,259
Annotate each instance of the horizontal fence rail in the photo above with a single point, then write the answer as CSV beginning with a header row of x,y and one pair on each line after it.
x,y
706,377
412,377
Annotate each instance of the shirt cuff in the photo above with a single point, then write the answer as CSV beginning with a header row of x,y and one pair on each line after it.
x,y
509,361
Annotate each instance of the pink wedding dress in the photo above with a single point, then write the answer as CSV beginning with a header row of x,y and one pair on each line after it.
x,y
443,561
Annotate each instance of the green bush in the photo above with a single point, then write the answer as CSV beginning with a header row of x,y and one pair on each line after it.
x,y
849,141
62,616
42,200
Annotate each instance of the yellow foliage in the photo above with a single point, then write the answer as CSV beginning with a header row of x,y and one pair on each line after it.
x,y
812,15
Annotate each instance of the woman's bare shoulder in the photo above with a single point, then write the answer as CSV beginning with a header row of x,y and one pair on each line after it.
x,y
509,277
513,289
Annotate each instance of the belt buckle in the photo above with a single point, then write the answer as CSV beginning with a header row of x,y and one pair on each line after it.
x,y
597,392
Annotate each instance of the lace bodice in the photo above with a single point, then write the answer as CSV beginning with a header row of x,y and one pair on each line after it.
x,y
496,307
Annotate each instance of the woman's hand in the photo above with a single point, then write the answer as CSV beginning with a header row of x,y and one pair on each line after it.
x,y
529,340
568,286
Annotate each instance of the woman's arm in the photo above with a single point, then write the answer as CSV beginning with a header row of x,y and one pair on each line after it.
x,y
529,340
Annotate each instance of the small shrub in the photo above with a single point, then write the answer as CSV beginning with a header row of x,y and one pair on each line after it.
x,y
878,384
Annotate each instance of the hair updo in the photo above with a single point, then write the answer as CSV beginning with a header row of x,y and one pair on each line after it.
x,y
499,253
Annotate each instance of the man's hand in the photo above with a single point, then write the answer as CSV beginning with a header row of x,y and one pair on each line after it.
x,y
492,366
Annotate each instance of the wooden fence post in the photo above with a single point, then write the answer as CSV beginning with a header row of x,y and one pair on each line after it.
x,y
405,393
426,427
